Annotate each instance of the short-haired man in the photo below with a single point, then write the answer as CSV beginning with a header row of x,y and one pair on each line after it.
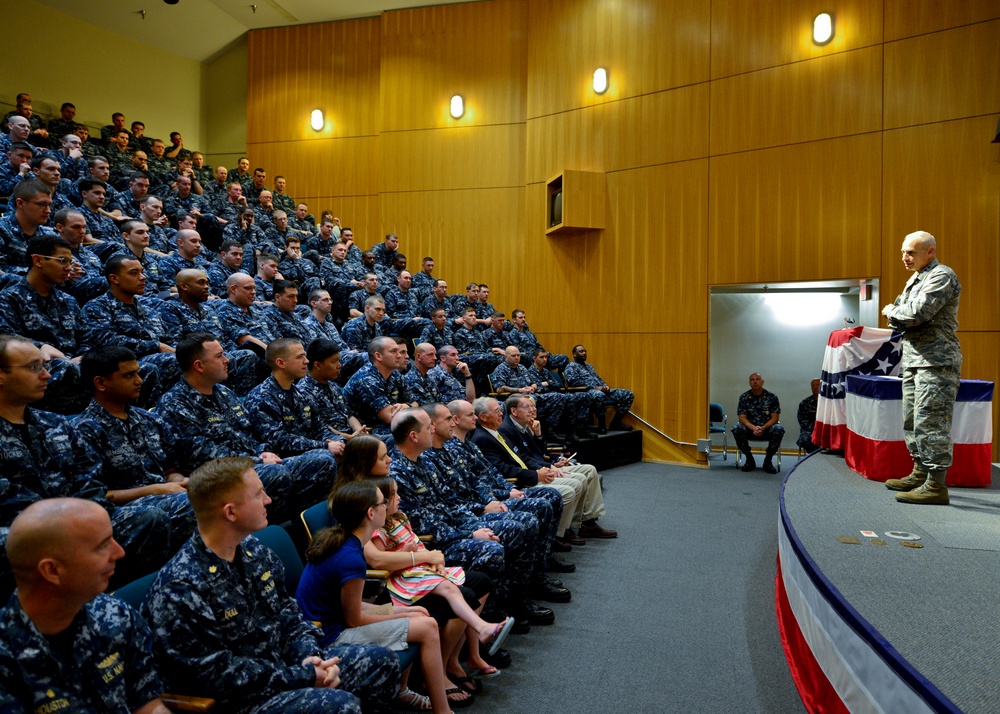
x,y
579,373
522,336
65,123
31,203
512,377
495,335
267,274
439,332
47,170
127,203
86,279
421,387
356,300
325,238
256,187
37,309
43,456
17,168
228,262
72,160
264,210
160,167
281,199
319,323
360,331
927,313
228,205
437,299
202,171
281,317
401,300
19,133
300,221
162,238
376,392
276,236
484,308
806,417
385,252
423,281
298,268
110,130
124,318
320,385
470,344
186,257
245,231
100,227
139,457
119,154
224,626
286,418
758,411
457,533
135,234
63,644
452,378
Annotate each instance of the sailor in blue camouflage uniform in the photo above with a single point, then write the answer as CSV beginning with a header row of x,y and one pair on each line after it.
x,y
484,308
495,334
324,240
376,391
229,261
38,310
248,234
16,168
758,411
472,347
28,212
360,331
242,318
369,288
136,237
301,222
454,490
42,456
452,377
318,322
438,333
123,317
401,300
267,272
462,538
522,336
333,267
225,626
128,201
437,299
99,226
281,317
186,255
287,419
187,312
137,448
423,280
422,389
300,270
579,373
385,252
927,313
86,281
320,385
98,657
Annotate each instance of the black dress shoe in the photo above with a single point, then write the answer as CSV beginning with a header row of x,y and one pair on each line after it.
x,y
500,659
536,614
555,564
521,627
561,546
550,592
572,538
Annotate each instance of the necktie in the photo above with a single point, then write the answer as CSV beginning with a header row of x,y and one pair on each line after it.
x,y
517,459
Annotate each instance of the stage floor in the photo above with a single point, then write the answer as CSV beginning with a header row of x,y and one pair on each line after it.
x,y
939,605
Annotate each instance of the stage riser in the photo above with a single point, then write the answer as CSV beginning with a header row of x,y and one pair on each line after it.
x,y
616,448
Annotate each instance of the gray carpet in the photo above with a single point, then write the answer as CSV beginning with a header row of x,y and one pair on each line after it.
x,y
676,615
937,605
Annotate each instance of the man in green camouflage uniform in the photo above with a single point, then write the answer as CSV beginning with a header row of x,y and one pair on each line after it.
x,y
927,313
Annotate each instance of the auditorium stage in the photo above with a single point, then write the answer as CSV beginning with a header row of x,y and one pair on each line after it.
x,y
888,627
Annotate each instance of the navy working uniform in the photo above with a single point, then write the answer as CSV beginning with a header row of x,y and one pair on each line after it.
x,y
584,375
137,451
101,662
758,409
46,458
551,405
449,386
229,630
368,393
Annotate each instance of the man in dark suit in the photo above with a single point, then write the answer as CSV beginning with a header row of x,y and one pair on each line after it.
x,y
510,444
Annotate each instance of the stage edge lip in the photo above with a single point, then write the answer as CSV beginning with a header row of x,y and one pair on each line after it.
x,y
867,672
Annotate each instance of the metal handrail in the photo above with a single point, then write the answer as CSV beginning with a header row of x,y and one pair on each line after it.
x,y
668,438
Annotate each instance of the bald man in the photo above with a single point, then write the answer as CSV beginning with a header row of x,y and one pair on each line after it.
x,y
758,412
64,645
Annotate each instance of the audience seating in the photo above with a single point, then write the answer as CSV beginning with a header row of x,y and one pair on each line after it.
x,y
716,414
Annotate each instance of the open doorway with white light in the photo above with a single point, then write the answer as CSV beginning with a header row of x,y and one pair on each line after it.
x,y
779,330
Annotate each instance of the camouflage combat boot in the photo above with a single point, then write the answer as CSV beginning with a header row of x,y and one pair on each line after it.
x,y
932,493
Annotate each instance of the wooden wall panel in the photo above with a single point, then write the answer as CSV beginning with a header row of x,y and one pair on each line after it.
x,y
466,232
647,46
640,131
945,75
346,167
981,360
657,223
906,18
460,158
662,370
431,53
805,212
332,66
927,169
748,36
820,98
